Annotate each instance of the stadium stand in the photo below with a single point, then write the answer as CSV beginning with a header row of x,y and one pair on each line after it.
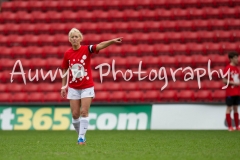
x,y
160,33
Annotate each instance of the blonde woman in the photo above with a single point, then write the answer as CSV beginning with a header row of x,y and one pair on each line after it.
x,y
80,82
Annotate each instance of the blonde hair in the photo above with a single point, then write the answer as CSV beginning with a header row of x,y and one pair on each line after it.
x,y
75,30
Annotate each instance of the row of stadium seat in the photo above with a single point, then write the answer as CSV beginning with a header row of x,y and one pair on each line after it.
x,y
113,15
139,29
123,96
134,38
115,86
125,50
108,4
118,27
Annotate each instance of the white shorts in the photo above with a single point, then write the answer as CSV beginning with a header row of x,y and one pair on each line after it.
x,y
80,93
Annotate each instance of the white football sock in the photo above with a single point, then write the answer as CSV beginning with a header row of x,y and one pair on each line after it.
x,y
83,127
76,124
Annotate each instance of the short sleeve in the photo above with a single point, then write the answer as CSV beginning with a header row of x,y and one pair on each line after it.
x,y
92,49
226,69
65,64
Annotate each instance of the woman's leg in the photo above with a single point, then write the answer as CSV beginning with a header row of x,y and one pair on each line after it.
x,y
75,109
236,117
84,120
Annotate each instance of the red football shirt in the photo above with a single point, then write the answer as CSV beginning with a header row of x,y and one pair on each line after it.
x,y
79,64
232,90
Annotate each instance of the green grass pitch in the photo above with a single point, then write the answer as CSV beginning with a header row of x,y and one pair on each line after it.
x,y
120,145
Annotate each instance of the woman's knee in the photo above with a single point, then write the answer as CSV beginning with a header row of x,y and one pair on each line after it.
x,y
235,109
75,115
84,112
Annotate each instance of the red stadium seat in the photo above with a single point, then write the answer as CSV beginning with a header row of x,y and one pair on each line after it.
x,y
49,87
128,86
205,36
185,25
20,97
193,84
219,59
39,63
100,60
36,97
173,37
164,49
231,12
185,60
214,85
144,85
146,49
29,39
196,48
151,61
130,15
88,16
153,26
147,14
43,28
31,87
163,14
6,98
212,48
5,51
15,87
53,63
202,25
112,86
38,16
169,60
102,96
118,96
225,36
116,15
3,87
130,50
178,85
168,95
49,51
5,76
119,61
34,51
152,96
7,63
203,95
186,95
10,28
133,61
196,13
52,97
18,52
181,13
169,25
135,96
218,24
213,13
227,47
23,17
201,60
99,87
179,49
219,95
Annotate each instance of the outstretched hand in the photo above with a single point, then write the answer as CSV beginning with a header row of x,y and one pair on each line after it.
x,y
117,40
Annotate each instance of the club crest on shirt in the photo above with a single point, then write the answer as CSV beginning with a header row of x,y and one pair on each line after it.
x,y
78,72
